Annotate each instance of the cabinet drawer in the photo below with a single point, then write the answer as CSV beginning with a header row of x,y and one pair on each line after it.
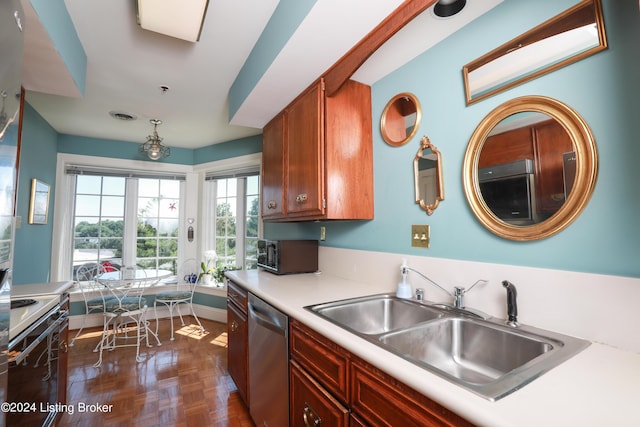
x,y
380,400
324,360
311,404
238,295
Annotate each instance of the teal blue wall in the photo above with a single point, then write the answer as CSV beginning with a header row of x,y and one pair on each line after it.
x,y
283,23
71,144
32,250
78,307
54,17
229,149
603,88
40,145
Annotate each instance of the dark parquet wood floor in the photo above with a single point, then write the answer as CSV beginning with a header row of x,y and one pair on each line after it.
x,y
182,383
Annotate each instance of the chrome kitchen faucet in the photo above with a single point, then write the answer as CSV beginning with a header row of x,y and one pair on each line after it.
x,y
459,292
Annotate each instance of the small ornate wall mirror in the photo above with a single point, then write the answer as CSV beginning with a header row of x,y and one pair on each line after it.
x,y
400,119
530,168
427,171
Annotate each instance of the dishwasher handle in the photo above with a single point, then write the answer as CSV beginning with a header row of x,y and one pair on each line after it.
x,y
267,318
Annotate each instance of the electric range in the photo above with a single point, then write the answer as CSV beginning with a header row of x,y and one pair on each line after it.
x,y
23,317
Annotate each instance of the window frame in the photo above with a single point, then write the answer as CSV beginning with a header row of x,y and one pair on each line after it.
x,y
195,213
64,198
227,169
241,208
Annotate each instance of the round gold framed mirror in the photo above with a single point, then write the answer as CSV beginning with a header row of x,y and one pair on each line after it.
x,y
530,168
400,119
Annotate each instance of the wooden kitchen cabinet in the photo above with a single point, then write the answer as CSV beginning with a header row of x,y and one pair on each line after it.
x,y
329,379
273,178
326,156
543,142
507,147
311,404
238,338
325,360
552,141
381,400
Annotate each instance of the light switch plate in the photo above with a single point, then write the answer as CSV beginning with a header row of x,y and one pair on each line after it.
x,y
420,236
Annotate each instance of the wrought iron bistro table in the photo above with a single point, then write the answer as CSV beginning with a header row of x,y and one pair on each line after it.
x,y
125,308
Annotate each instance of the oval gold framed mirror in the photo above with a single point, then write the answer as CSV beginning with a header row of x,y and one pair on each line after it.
x,y
400,119
530,168
427,172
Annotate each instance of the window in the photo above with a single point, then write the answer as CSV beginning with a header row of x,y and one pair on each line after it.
x,y
124,215
236,203
98,220
158,223
126,220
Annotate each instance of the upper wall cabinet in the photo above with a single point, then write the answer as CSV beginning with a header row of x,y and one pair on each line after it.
x,y
273,136
318,157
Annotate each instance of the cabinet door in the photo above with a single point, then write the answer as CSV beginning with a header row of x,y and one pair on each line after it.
x,y
323,359
380,400
305,154
312,405
551,142
237,356
507,147
273,164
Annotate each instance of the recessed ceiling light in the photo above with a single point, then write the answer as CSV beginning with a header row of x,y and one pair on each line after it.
x,y
120,115
448,8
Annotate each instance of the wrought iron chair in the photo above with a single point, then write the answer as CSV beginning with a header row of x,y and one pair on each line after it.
x,y
125,309
85,277
186,281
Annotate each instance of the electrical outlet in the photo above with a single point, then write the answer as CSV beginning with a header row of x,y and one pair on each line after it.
x,y
323,233
420,236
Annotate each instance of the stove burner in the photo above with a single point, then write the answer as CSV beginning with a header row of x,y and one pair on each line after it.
x,y
22,303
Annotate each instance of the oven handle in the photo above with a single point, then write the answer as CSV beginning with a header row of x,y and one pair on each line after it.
x,y
25,352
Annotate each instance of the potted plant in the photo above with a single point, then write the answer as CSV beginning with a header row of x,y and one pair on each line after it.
x,y
208,267
219,275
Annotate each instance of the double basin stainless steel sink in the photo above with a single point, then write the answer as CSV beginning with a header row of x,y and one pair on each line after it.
x,y
483,355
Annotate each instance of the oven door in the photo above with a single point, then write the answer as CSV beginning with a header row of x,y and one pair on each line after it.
x,y
33,372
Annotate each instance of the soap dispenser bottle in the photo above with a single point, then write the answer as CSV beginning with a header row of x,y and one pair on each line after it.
x,y
404,288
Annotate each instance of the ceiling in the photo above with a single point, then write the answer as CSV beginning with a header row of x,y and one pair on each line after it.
x,y
127,66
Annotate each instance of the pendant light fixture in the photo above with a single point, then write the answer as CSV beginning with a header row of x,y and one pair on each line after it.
x,y
153,146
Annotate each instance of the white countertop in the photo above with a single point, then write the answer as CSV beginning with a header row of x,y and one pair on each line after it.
x,y
21,317
35,289
599,386
46,295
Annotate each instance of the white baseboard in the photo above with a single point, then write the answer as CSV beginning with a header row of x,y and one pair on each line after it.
x,y
204,312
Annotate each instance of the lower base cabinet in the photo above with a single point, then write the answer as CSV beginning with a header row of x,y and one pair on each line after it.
x,y
63,355
311,404
237,339
332,387
381,400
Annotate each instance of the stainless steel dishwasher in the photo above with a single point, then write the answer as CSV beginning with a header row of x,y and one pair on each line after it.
x,y
268,364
